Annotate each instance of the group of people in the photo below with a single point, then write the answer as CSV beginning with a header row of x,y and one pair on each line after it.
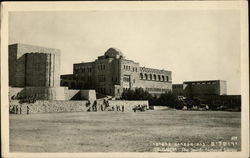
x,y
118,108
140,108
17,109
104,106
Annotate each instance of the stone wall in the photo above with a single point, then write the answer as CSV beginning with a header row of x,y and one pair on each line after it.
x,y
49,106
223,87
88,94
40,93
71,94
70,106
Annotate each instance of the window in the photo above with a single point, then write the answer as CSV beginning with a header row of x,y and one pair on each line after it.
x,y
146,76
167,78
126,78
163,78
154,77
159,77
89,78
124,67
150,76
101,78
141,75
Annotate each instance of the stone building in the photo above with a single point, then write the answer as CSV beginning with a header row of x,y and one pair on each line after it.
x,y
33,66
112,73
202,89
35,71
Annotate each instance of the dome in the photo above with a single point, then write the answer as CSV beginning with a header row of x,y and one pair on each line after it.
x,y
113,53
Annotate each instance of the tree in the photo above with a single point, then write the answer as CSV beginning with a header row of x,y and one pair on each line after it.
x,y
137,94
169,99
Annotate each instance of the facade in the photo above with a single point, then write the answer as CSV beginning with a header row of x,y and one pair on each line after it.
x,y
202,89
112,73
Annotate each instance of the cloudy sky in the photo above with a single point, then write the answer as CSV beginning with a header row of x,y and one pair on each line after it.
x,y
193,44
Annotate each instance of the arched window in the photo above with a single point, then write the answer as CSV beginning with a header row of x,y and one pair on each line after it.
x,y
163,78
167,78
154,77
150,76
141,75
159,77
146,76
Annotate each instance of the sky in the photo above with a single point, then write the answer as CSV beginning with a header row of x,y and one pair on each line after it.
x,y
193,44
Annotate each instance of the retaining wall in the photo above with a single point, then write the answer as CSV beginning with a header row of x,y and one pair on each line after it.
x,y
45,106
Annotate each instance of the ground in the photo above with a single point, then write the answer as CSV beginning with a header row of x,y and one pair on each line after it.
x,y
122,132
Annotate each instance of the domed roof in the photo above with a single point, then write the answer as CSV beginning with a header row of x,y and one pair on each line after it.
x,y
113,52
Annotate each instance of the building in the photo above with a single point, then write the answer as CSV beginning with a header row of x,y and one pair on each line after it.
x,y
34,71
112,73
202,89
33,66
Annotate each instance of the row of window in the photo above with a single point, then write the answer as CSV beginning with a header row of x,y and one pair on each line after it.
x,y
177,86
126,78
85,78
154,77
198,83
129,68
82,70
101,78
101,67
156,89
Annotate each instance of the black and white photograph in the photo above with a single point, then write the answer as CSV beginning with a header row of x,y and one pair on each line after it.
x,y
156,78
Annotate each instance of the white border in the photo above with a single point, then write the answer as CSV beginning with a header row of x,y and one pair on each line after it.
x,y
6,7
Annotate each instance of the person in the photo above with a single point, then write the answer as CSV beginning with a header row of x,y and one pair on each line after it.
x,y
113,109
20,106
88,103
101,107
117,108
28,110
122,108
17,109
95,106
